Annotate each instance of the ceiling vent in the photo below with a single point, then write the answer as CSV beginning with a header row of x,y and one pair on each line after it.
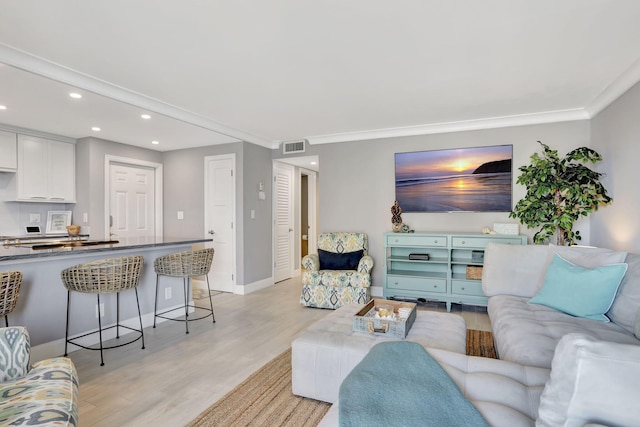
x,y
291,147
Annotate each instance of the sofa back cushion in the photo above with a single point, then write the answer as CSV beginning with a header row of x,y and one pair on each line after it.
x,y
341,242
514,269
591,382
520,270
626,307
15,347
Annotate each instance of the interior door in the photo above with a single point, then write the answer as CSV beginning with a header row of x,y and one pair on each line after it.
x,y
220,195
132,201
283,221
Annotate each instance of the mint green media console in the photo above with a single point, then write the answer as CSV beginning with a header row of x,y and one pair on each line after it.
x,y
451,274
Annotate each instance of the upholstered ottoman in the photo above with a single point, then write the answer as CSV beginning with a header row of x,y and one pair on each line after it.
x,y
324,353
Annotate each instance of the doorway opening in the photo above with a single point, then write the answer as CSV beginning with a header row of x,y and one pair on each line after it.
x,y
295,193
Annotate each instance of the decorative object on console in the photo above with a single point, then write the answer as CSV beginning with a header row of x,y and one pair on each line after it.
x,y
476,179
506,228
396,217
559,192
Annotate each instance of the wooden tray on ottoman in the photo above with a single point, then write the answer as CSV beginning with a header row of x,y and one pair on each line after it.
x,y
365,321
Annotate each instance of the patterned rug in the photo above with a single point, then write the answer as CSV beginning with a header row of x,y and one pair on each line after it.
x,y
265,398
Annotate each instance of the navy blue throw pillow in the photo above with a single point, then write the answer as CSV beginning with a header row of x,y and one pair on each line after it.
x,y
336,261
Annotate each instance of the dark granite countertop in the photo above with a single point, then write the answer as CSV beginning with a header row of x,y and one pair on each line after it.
x,y
10,253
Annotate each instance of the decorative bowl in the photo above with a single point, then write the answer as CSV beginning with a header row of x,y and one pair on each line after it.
x,y
73,230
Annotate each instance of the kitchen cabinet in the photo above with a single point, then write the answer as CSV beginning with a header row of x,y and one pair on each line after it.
x,y
434,266
46,170
8,156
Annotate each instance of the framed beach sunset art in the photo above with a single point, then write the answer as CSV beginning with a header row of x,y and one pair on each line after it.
x,y
476,179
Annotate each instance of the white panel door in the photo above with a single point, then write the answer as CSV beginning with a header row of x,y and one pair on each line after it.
x,y
132,201
220,196
283,221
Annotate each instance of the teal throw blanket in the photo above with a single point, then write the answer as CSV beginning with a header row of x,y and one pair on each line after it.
x,y
399,384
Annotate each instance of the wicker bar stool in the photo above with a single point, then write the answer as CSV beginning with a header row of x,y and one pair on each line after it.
x,y
186,265
10,282
106,276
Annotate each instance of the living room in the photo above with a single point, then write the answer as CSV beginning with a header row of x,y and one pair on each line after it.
x,y
356,179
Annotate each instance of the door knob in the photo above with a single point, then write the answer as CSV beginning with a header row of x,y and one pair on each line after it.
x,y
212,232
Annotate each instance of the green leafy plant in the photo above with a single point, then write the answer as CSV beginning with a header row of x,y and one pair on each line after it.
x,y
559,192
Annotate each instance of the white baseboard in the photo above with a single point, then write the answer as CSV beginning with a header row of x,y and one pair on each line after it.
x,y
255,286
376,291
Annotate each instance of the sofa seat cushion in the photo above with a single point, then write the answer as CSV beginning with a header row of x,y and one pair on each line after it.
x,y
505,393
528,333
338,278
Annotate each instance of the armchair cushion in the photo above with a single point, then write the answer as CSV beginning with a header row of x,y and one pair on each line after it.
x,y
339,261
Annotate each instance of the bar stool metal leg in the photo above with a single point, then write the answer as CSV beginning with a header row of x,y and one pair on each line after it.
x,y
210,300
185,285
100,332
66,334
155,307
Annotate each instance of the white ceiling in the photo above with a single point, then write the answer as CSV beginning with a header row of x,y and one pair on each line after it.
x,y
265,71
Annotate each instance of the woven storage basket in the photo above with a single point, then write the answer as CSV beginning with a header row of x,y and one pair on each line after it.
x,y
474,272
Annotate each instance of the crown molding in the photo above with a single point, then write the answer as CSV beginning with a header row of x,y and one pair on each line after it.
x,y
615,90
51,70
458,126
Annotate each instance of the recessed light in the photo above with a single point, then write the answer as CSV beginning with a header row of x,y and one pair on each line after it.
x,y
145,116
155,142
3,107
75,95
314,163
95,129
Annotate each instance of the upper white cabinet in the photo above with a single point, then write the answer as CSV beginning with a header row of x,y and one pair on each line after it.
x,y
46,170
8,157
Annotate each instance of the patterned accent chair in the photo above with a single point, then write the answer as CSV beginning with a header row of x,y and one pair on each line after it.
x,y
45,394
332,288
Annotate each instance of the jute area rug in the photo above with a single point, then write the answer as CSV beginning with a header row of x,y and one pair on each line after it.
x,y
265,398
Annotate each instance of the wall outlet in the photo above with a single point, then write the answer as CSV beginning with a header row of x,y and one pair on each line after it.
x,y
167,293
101,310
180,215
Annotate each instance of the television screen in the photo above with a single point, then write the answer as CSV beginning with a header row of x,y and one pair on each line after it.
x,y
474,179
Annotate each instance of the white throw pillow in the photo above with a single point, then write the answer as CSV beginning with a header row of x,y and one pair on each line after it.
x,y
591,382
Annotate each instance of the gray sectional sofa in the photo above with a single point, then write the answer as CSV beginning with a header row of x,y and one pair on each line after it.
x,y
555,368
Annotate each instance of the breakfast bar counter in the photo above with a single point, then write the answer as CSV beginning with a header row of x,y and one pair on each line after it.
x,y
42,303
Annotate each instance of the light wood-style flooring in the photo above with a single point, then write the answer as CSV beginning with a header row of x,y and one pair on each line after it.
x,y
178,376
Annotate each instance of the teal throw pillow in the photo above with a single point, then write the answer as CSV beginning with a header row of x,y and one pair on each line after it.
x,y
580,291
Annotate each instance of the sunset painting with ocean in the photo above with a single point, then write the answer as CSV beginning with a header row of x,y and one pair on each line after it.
x,y
467,179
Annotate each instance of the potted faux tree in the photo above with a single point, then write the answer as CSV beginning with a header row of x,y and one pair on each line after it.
x,y
559,191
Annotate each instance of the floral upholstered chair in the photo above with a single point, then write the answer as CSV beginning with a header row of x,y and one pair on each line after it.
x,y
45,394
339,274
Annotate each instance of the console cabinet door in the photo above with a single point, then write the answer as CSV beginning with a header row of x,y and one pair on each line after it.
x,y
46,170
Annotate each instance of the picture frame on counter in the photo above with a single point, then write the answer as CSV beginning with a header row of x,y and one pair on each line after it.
x,y
57,222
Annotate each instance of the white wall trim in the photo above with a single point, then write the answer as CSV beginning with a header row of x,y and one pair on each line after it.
x,y
617,88
45,68
254,286
157,167
458,126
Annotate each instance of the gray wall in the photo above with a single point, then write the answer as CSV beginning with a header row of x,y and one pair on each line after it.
x,y
356,180
614,134
90,158
257,232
